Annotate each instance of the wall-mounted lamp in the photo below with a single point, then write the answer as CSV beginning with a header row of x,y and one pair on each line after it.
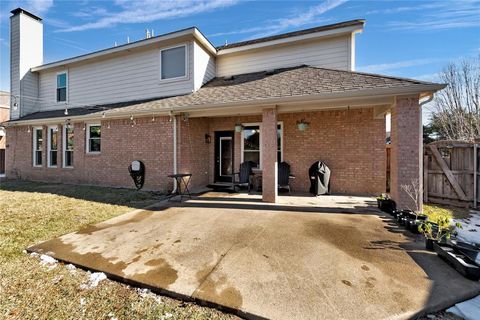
x,y
238,127
302,125
208,138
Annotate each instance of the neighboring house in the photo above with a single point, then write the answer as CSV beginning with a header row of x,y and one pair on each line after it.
x,y
180,104
4,116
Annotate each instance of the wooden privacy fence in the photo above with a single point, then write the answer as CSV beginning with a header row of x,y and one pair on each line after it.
x,y
450,173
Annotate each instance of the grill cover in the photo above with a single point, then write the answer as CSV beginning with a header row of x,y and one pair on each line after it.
x,y
319,175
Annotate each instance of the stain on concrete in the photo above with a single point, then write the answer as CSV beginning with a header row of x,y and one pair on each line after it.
x,y
178,241
217,291
91,260
162,275
139,216
347,283
365,268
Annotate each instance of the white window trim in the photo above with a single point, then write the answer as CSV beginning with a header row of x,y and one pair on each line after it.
x,y
259,124
56,87
87,138
64,145
49,145
187,73
34,130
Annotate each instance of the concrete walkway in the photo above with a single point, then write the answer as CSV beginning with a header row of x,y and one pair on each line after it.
x,y
325,258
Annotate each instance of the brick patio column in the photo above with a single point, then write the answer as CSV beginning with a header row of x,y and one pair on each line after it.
x,y
406,150
269,155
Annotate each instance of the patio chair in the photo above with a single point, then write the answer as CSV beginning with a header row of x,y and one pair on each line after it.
x,y
284,176
243,177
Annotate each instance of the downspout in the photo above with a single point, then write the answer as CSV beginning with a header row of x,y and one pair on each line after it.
x,y
174,150
420,157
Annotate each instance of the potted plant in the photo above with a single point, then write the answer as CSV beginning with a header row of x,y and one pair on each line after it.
x,y
413,217
437,232
386,204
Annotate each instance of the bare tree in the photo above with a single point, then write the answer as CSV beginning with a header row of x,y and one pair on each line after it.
x,y
414,191
456,110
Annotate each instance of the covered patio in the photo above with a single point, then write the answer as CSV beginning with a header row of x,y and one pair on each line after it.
x,y
334,257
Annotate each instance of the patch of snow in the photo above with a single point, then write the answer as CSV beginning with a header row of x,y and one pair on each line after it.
x,y
468,310
93,280
70,267
470,231
34,254
167,315
44,259
143,292
112,316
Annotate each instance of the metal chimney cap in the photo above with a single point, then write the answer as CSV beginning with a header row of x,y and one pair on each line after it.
x,y
21,10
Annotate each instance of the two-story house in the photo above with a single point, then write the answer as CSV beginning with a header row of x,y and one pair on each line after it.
x,y
179,104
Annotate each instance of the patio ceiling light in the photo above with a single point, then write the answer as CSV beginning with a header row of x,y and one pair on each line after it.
x,y
302,125
238,127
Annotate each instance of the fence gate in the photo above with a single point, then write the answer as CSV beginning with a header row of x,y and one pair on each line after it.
x,y
451,173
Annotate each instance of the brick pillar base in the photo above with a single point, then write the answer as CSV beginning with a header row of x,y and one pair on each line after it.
x,y
269,155
406,150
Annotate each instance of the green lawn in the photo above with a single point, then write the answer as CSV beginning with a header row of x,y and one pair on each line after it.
x,y
33,212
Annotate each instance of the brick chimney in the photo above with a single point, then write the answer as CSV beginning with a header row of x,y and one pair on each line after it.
x,y
26,51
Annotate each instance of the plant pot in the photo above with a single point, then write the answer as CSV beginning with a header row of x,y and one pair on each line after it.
x,y
414,224
461,262
429,244
470,250
387,205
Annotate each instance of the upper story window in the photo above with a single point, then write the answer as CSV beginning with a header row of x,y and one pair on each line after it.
x,y
94,135
62,80
37,146
52,146
173,63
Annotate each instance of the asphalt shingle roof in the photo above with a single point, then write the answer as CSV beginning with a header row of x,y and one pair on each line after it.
x,y
281,83
293,34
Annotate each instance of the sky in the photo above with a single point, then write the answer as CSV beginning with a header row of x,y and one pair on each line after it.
x,y
413,39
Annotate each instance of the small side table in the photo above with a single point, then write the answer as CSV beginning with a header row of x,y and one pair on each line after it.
x,y
181,178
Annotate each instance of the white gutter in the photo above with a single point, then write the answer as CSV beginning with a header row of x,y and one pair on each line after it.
x,y
129,46
378,93
420,151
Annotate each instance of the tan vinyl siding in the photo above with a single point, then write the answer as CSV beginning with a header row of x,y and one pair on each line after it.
x,y
125,78
329,53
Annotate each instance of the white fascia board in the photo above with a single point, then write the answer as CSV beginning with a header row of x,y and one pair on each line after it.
x,y
129,46
310,36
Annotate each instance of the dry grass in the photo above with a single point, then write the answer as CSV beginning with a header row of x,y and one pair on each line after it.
x,y
435,211
33,212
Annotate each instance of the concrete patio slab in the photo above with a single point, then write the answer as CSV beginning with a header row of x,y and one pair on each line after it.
x,y
323,258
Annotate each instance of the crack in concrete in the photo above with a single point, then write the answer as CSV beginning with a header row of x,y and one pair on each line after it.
x,y
222,256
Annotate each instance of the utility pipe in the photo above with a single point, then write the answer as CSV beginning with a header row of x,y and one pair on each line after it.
x,y
420,154
174,118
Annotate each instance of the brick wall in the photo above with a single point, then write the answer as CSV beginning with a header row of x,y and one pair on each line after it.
x,y
351,143
406,150
121,144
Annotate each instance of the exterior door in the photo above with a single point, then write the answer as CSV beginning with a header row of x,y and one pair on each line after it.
x,y
223,156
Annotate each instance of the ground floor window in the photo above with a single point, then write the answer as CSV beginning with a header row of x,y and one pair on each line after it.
x,y
52,146
94,134
251,143
68,146
37,146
